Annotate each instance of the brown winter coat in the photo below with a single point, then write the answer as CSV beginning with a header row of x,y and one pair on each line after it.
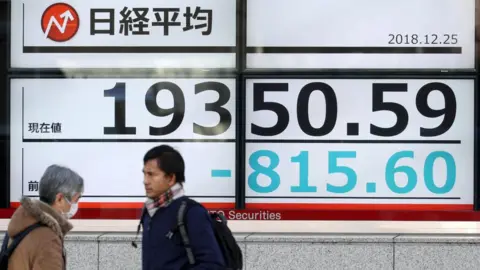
x,y
41,249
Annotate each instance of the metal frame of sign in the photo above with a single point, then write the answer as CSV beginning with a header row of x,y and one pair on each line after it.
x,y
476,185
5,120
241,74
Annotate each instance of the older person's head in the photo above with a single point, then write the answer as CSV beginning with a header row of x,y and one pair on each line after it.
x,y
61,188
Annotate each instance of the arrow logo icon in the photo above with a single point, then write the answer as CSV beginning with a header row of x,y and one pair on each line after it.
x,y
66,16
60,22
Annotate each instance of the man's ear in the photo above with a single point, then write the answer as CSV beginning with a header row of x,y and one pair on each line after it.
x,y
58,198
172,179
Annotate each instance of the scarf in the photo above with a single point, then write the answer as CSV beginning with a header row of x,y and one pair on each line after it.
x,y
164,200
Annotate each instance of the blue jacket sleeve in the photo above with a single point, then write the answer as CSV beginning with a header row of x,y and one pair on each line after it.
x,y
205,248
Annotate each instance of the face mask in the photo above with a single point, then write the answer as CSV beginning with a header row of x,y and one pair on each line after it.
x,y
73,209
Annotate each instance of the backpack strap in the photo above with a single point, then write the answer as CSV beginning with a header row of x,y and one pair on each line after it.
x,y
140,224
5,242
183,231
17,239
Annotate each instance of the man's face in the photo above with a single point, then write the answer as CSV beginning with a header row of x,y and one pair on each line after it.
x,y
155,180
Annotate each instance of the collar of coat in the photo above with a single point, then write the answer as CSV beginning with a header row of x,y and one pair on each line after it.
x,y
164,200
46,215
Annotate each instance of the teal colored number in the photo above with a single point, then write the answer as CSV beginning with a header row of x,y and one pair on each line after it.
x,y
451,172
303,186
391,170
347,171
268,171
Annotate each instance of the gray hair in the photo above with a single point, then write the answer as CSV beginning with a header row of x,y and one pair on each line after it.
x,y
58,179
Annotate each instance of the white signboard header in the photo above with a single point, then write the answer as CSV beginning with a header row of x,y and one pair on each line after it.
x,y
352,34
123,34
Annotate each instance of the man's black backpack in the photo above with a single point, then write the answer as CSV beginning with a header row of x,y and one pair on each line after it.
x,y
228,245
7,251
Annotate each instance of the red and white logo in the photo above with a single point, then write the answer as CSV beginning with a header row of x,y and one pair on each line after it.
x,y
60,22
